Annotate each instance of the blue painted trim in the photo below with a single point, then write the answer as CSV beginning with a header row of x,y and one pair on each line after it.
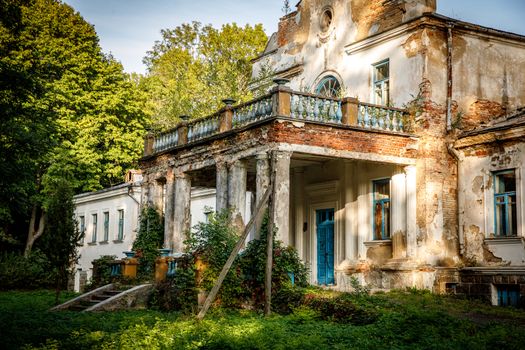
x,y
505,203
325,246
323,81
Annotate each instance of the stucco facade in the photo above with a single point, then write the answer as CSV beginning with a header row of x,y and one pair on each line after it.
x,y
368,136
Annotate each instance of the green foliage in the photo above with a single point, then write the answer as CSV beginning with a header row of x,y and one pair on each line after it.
x,y
213,242
150,239
177,293
359,289
31,272
68,111
193,67
61,235
406,320
285,261
101,272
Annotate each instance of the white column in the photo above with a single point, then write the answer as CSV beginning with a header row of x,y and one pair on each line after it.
x,y
411,208
221,186
299,210
363,211
398,216
169,208
350,212
237,191
158,196
181,219
262,181
281,167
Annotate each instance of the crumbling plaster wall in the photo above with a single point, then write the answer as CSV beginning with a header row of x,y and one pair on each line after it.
x,y
487,72
476,191
343,50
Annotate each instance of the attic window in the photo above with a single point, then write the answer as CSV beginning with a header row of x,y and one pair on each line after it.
x,y
326,19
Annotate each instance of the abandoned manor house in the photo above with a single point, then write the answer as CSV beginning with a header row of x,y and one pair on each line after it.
x,y
396,140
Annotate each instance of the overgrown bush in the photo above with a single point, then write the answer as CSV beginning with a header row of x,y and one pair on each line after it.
x,y
178,292
101,272
286,262
215,240
31,272
150,239
212,242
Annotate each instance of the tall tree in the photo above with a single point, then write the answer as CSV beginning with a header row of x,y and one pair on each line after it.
x,y
61,236
70,111
194,67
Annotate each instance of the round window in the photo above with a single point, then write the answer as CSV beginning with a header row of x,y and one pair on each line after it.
x,y
329,86
326,19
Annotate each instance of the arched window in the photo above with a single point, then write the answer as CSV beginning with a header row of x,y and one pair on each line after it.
x,y
329,86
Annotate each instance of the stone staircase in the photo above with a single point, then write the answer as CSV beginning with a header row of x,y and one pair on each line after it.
x,y
109,298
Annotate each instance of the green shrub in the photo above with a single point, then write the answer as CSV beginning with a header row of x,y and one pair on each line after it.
x,y
31,272
213,242
340,308
177,293
101,272
150,239
286,261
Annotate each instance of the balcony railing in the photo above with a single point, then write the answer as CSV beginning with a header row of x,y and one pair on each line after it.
x,y
282,102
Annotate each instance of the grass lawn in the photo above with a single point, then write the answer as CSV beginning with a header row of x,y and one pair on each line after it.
x,y
403,320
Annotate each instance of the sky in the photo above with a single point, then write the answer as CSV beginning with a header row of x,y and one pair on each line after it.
x,y
129,28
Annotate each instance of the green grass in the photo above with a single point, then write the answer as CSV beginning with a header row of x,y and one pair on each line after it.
x,y
405,320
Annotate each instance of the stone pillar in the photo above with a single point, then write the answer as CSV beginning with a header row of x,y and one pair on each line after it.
x,y
298,176
350,212
262,181
349,107
398,216
158,196
221,186
281,169
363,211
411,209
169,208
181,216
237,191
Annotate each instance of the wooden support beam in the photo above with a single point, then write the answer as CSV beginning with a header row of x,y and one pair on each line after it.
x,y
259,212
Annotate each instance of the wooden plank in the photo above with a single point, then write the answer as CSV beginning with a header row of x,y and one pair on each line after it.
x,y
259,212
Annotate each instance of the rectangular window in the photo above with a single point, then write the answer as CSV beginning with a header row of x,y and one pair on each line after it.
x,y
94,230
381,209
505,213
120,235
106,226
508,294
82,228
382,83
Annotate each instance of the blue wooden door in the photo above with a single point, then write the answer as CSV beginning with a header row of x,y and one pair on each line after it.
x,y
325,246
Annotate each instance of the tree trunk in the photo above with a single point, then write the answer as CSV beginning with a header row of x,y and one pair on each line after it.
x,y
34,232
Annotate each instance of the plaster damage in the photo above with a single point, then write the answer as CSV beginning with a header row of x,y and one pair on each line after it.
x,y
464,86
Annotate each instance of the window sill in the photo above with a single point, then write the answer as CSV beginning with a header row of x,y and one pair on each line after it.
x,y
118,241
505,240
92,243
382,242
103,242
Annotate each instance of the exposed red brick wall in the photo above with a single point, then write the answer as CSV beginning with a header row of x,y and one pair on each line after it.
x,y
342,139
481,112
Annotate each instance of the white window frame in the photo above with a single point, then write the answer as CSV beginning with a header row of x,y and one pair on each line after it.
x,y
383,83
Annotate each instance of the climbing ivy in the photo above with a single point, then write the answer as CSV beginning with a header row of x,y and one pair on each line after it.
x,y
150,239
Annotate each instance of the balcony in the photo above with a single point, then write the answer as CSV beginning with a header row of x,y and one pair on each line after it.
x,y
282,103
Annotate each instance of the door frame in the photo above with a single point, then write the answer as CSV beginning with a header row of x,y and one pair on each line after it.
x,y
313,236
